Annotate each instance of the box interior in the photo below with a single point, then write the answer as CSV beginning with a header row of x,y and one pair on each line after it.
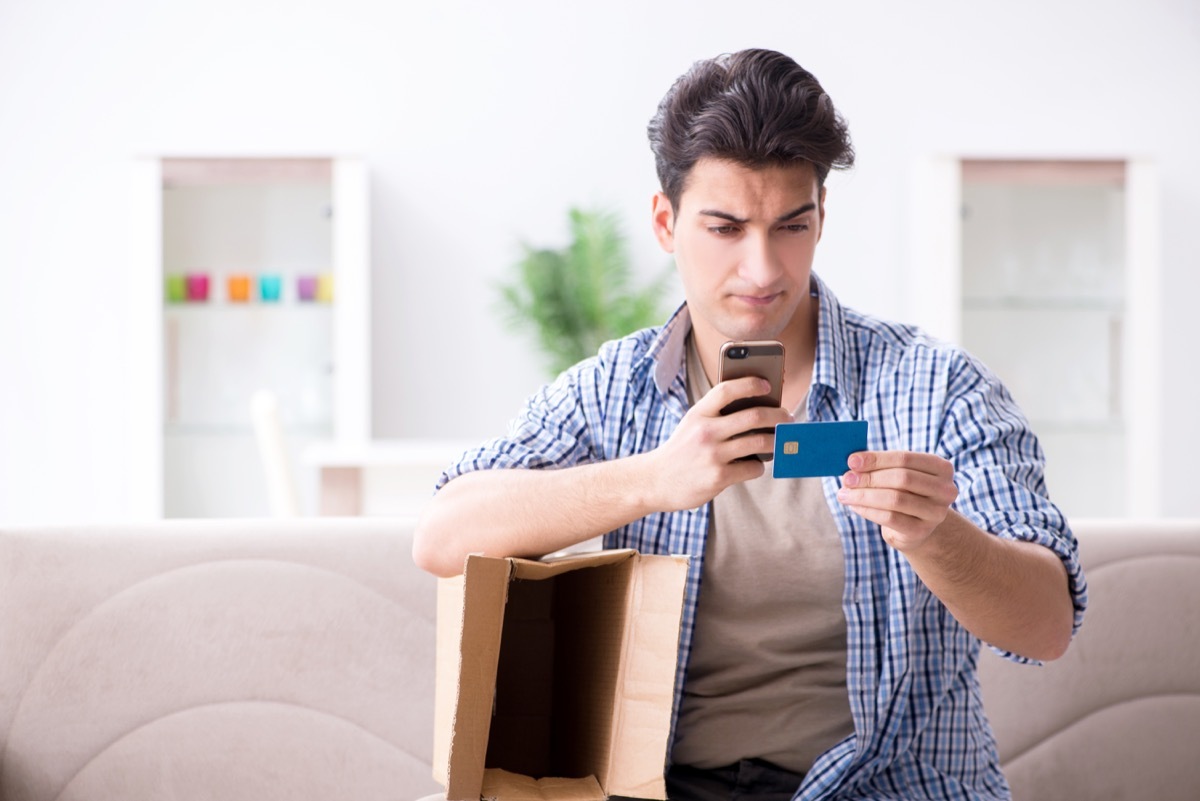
x,y
560,652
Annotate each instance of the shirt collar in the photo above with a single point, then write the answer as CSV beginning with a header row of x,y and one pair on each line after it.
x,y
831,369
668,349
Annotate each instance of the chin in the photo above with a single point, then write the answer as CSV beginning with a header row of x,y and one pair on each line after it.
x,y
756,330
756,335
766,324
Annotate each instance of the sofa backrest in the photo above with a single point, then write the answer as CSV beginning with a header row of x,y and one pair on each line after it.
x,y
271,660
199,660
1118,717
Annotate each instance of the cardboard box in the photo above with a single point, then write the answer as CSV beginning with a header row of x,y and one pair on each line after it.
x,y
555,680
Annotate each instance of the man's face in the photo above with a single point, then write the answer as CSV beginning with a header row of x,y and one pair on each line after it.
x,y
744,241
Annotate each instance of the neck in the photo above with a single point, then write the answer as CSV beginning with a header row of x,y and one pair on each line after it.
x,y
799,340
800,352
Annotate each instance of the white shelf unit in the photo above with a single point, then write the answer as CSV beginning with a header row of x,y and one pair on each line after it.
x,y
201,362
1048,271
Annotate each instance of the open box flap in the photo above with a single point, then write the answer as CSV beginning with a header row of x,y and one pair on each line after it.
x,y
500,785
642,717
445,693
534,569
485,583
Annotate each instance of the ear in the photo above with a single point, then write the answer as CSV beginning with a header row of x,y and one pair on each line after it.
x,y
662,219
821,214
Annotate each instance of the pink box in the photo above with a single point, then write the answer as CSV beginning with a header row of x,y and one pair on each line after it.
x,y
197,287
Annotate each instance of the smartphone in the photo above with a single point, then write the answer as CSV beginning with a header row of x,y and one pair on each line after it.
x,y
764,359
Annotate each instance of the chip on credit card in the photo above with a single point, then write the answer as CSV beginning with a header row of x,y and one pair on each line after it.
x,y
808,450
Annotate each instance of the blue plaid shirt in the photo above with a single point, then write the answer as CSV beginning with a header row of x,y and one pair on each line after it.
x,y
920,729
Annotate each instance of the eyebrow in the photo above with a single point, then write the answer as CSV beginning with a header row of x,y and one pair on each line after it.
x,y
791,215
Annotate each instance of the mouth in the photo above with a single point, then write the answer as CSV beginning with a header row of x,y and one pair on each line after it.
x,y
758,301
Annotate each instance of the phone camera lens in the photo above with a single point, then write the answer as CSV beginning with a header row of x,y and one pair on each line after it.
x,y
738,353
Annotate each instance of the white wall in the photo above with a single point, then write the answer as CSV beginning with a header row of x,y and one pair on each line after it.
x,y
481,122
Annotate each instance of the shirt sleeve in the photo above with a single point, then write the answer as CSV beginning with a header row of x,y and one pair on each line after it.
x,y
999,469
553,429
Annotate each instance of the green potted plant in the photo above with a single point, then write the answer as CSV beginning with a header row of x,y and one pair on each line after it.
x,y
575,298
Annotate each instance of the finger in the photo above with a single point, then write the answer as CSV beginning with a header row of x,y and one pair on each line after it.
x,y
739,424
719,431
735,389
735,471
938,488
745,470
760,417
758,425
931,463
893,501
741,446
889,521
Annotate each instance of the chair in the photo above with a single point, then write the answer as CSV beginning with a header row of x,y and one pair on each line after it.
x,y
272,449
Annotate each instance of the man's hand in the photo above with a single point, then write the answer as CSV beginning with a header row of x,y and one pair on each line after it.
x,y
1012,594
908,494
702,456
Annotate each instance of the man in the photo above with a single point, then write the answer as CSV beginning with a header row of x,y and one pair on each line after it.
x,y
831,626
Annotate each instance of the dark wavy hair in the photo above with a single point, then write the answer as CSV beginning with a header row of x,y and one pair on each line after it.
x,y
755,107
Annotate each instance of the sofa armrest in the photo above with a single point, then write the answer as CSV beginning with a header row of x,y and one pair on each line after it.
x,y
1118,717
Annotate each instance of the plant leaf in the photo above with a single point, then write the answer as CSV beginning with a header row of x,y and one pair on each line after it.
x,y
576,298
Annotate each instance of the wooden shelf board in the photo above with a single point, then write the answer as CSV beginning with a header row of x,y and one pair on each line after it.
x,y
226,171
1054,172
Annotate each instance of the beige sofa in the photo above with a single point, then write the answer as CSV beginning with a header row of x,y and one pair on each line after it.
x,y
1118,717
256,660
219,660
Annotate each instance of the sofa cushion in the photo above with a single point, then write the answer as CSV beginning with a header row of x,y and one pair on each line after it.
x,y
223,659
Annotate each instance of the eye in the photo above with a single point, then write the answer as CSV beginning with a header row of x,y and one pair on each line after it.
x,y
722,230
796,228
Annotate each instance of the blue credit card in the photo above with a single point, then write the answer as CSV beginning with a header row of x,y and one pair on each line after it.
x,y
806,450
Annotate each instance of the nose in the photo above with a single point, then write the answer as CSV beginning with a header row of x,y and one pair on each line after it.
x,y
760,265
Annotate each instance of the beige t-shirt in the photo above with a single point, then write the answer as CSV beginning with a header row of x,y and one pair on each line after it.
x,y
767,676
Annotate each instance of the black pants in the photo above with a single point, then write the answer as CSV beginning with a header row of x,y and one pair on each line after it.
x,y
748,780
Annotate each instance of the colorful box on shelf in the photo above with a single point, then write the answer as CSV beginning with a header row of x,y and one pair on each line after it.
x,y
197,287
306,288
176,288
317,288
270,287
325,288
237,288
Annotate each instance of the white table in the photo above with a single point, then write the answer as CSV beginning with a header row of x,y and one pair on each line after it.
x,y
380,477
